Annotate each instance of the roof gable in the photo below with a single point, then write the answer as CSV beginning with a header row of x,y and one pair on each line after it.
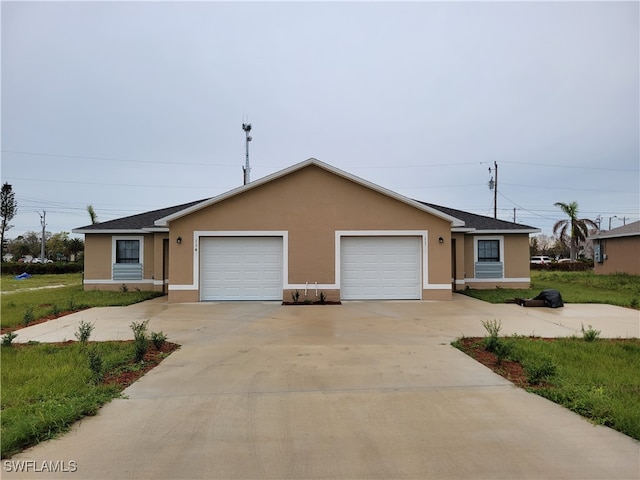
x,y
630,230
163,222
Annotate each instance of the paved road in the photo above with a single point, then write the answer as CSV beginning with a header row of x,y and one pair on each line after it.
x,y
365,390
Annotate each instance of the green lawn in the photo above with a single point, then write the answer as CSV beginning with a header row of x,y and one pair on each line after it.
x,y
600,380
575,287
20,301
45,388
10,284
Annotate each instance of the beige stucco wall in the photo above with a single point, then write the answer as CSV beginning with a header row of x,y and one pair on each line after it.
x,y
311,204
623,256
99,259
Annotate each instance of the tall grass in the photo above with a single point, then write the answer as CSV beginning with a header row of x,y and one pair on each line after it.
x,y
45,388
575,287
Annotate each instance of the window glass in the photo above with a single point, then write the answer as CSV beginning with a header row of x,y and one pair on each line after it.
x,y
127,251
488,250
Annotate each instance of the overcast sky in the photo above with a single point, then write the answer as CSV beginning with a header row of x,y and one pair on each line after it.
x,y
131,107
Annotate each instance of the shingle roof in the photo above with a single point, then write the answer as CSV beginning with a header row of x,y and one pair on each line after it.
x,y
135,222
629,230
480,222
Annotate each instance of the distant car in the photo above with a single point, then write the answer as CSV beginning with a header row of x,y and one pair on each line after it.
x,y
565,260
540,260
37,260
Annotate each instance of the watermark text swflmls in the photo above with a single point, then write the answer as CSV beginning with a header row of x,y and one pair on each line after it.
x,y
34,466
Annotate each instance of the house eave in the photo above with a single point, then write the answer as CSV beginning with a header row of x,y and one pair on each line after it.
x,y
115,231
620,235
163,222
507,231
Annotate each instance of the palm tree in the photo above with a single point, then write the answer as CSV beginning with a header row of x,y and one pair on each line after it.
x,y
92,214
578,228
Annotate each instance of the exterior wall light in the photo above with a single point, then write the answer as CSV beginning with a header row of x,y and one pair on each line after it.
x,y
179,240
441,240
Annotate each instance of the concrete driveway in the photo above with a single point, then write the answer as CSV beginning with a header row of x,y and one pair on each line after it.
x,y
360,391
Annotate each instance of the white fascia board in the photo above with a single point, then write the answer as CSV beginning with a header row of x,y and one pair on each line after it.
x,y
156,230
506,232
455,222
621,235
462,230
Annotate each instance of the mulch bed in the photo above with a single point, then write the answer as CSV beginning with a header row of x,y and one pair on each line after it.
x,y
512,371
151,359
317,302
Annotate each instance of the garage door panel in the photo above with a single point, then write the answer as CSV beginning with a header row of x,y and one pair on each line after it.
x,y
241,268
380,268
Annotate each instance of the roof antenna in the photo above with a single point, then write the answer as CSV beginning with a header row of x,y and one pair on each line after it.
x,y
247,169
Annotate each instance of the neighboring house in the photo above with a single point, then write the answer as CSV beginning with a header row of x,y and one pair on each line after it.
x,y
617,250
311,228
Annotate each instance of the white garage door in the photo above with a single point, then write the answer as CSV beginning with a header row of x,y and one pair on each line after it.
x,y
241,268
380,268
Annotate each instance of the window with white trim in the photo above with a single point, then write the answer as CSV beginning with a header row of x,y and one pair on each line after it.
x,y
488,250
127,251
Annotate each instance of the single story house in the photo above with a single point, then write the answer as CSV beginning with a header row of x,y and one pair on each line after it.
x,y
309,228
617,250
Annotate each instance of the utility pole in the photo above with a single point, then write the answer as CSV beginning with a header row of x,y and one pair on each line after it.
x,y
43,222
514,214
247,169
493,185
615,216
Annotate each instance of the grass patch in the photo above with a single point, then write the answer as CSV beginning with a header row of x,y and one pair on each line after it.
x,y
10,284
46,302
576,287
45,388
598,379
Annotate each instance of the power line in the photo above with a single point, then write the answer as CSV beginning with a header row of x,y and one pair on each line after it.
x,y
581,167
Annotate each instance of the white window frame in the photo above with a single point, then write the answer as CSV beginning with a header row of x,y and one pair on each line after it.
x,y
476,239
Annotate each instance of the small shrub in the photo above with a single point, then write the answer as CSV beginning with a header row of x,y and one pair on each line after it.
x,y
124,288
635,303
295,296
141,340
540,370
28,316
503,350
492,327
323,297
55,310
158,339
95,363
71,306
8,338
84,331
590,334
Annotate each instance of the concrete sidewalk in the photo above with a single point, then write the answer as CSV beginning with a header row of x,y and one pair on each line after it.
x,y
363,390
